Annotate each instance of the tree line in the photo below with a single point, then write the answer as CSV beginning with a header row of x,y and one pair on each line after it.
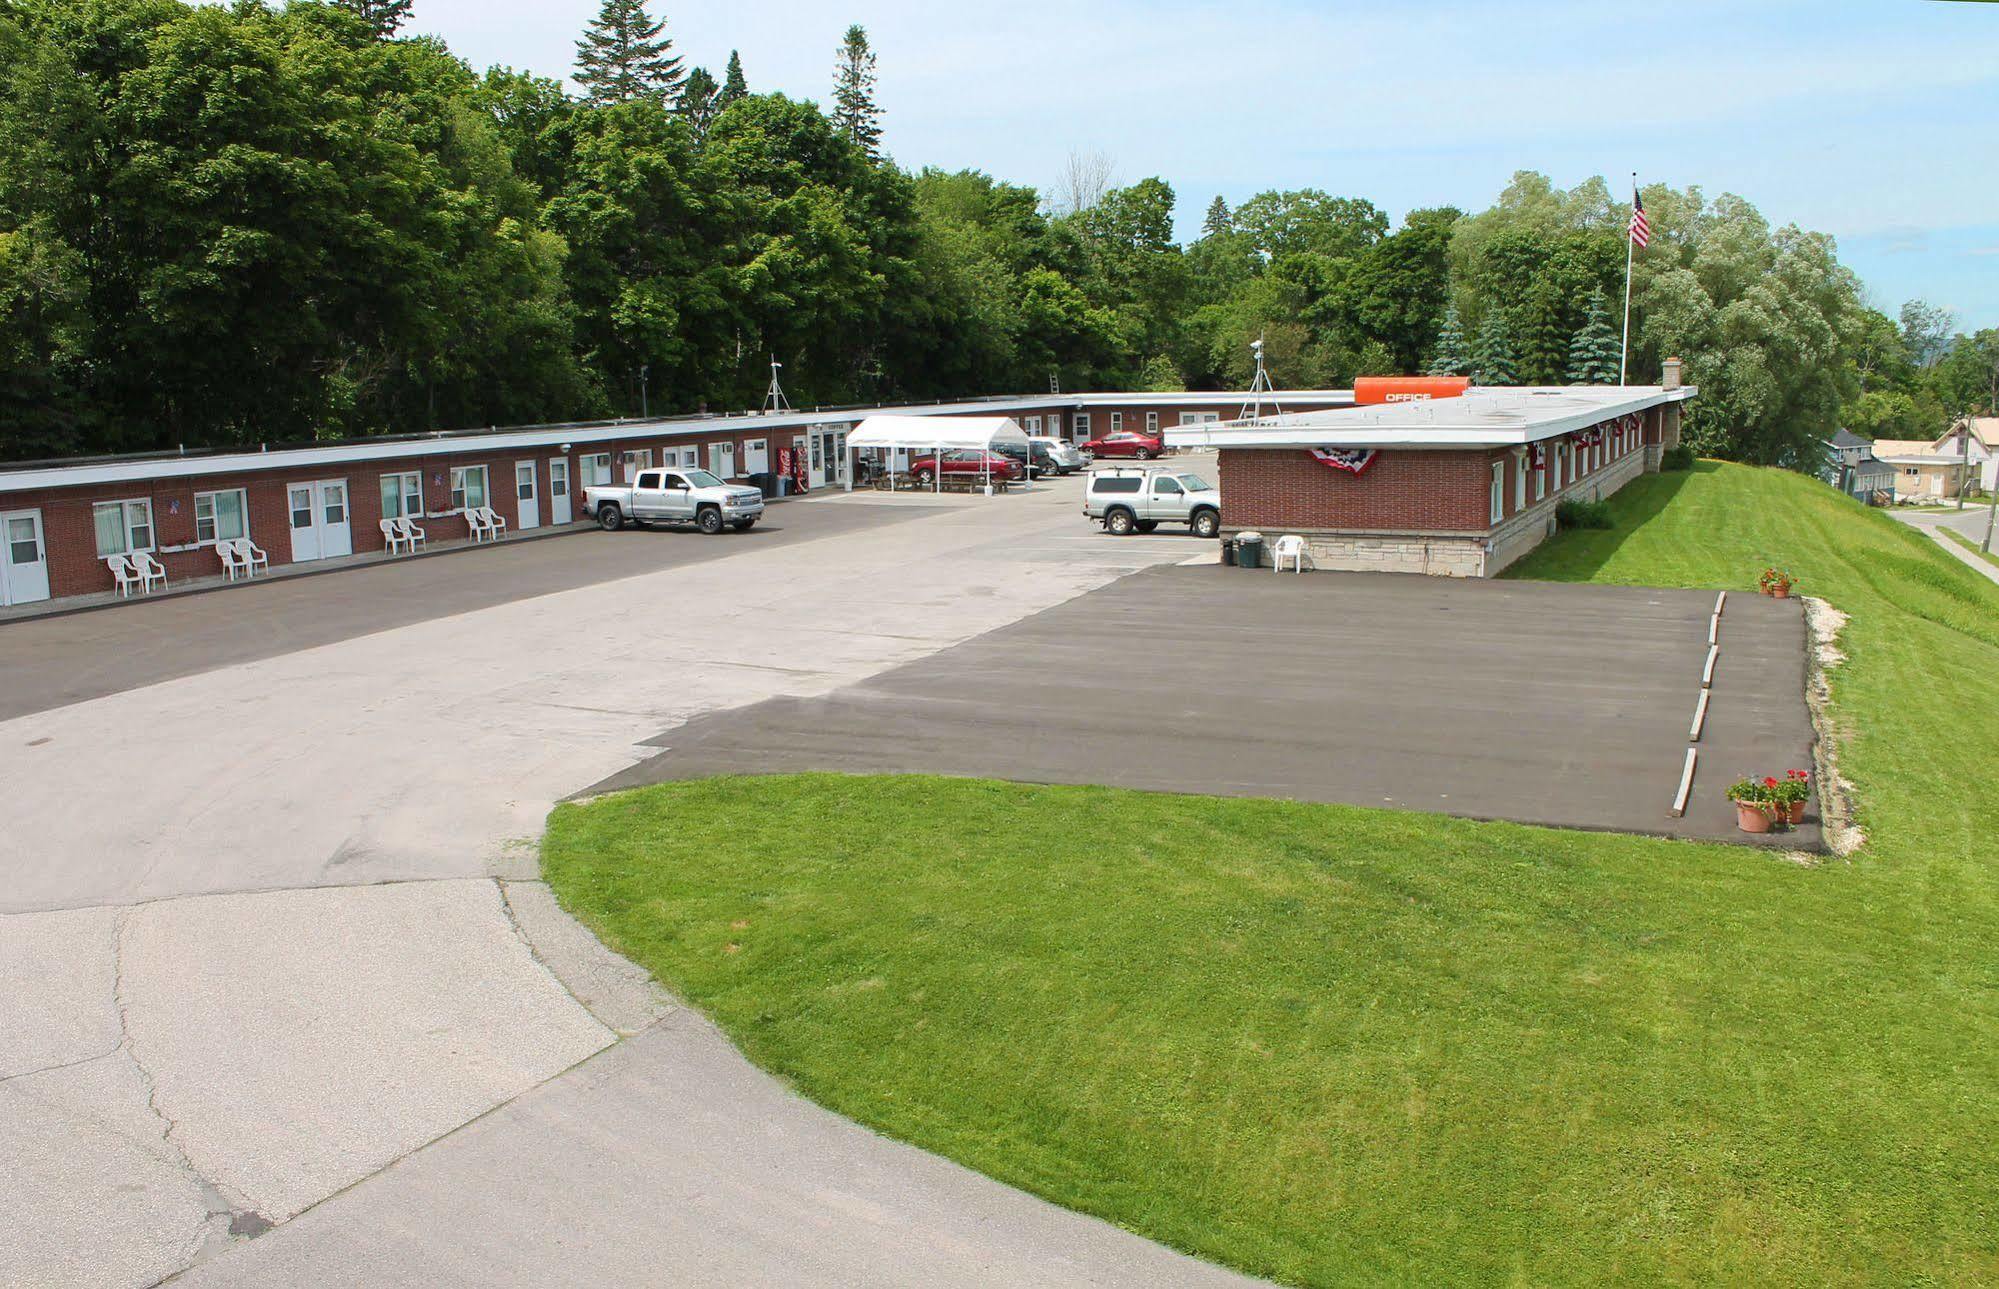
x,y
226,225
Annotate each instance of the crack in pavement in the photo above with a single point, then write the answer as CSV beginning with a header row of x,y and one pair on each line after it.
x,y
242,1220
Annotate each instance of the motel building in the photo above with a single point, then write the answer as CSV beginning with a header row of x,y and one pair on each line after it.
x,y
1431,475
64,523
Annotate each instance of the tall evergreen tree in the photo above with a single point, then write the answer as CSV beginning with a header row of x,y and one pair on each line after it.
x,y
733,84
698,101
1451,358
1544,340
1492,356
625,55
855,113
385,16
1593,354
1217,221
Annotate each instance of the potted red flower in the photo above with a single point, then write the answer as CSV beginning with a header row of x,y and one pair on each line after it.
x,y
1789,794
1755,803
1776,582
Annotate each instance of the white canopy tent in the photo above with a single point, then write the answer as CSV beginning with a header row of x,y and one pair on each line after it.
x,y
938,434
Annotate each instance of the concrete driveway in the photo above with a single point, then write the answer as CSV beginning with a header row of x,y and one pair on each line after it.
x,y
277,955
1970,522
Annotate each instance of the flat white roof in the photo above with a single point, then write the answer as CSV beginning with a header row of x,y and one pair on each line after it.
x,y
1477,418
459,443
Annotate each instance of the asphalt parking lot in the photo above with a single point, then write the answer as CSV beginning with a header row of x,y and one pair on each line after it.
x,y
1542,703
68,658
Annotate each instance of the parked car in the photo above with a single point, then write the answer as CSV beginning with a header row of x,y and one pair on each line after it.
x,y
1127,443
1035,456
1066,456
967,461
676,496
1126,501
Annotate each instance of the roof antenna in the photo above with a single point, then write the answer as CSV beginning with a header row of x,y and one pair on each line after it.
x,y
774,400
1259,386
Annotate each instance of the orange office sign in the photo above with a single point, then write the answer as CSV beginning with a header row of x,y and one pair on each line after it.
x,y
1407,389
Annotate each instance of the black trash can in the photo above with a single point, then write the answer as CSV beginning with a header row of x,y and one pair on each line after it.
x,y
1249,550
1228,552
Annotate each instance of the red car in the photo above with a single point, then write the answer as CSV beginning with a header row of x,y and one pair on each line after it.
x,y
964,461
1126,443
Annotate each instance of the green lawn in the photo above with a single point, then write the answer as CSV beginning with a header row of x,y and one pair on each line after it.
x,y
1976,548
1335,1045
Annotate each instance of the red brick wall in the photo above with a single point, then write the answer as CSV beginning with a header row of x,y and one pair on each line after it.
x,y
1403,491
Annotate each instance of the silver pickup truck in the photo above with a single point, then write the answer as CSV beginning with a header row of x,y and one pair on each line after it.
x,y
1125,501
676,495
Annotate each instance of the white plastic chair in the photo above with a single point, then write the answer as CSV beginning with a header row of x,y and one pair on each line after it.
x,y
475,523
412,536
149,569
254,558
123,576
494,523
1291,547
392,534
233,561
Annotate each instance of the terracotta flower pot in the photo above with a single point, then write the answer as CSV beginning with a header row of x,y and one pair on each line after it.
x,y
1781,592
1751,816
1794,813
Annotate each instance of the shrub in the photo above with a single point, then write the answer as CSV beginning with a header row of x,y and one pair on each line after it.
x,y
1582,514
1679,458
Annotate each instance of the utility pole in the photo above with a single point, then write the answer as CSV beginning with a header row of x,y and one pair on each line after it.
x,y
1964,471
1991,515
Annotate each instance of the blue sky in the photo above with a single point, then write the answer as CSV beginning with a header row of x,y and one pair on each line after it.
x,y
1878,123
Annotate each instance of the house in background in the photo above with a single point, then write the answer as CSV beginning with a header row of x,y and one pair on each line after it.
x,y
1852,467
1938,469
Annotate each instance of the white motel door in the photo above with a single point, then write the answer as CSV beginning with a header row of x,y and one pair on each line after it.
x,y
24,558
815,464
526,497
558,491
319,520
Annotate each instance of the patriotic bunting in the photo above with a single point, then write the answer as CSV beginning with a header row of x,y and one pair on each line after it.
x,y
1351,460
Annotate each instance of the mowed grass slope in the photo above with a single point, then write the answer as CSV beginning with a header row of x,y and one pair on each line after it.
x,y
1334,1045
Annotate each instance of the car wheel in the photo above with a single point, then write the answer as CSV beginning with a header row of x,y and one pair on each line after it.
x,y
923,477
1148,525
610,518
709,520
744,525
1120,523
1143,454
1206,523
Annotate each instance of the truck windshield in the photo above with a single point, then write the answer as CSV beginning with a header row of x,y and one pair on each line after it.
x,y
1194,483
702,479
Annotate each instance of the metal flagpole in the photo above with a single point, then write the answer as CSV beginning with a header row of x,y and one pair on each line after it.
x,y
1624,354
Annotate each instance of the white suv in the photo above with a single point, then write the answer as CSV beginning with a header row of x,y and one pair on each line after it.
x,y
1129,501
1062,452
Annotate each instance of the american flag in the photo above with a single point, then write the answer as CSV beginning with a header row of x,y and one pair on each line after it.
x,y
1641,227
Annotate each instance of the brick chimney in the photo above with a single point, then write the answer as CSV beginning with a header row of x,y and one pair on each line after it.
x,y
1671,379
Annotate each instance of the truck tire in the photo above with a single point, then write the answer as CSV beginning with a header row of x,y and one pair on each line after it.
x,y
1119,522
609,517
709,519
1206,523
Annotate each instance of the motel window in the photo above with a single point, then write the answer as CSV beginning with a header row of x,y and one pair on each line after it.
x,y
221,516
125,526
594,470
1541,474
1519,481
468,487
635,461
1498,491
1117,422
1557,463
1152,422
1033,425
402,496
1082,425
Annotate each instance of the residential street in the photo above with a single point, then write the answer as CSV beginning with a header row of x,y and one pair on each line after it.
x,y
1970,522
